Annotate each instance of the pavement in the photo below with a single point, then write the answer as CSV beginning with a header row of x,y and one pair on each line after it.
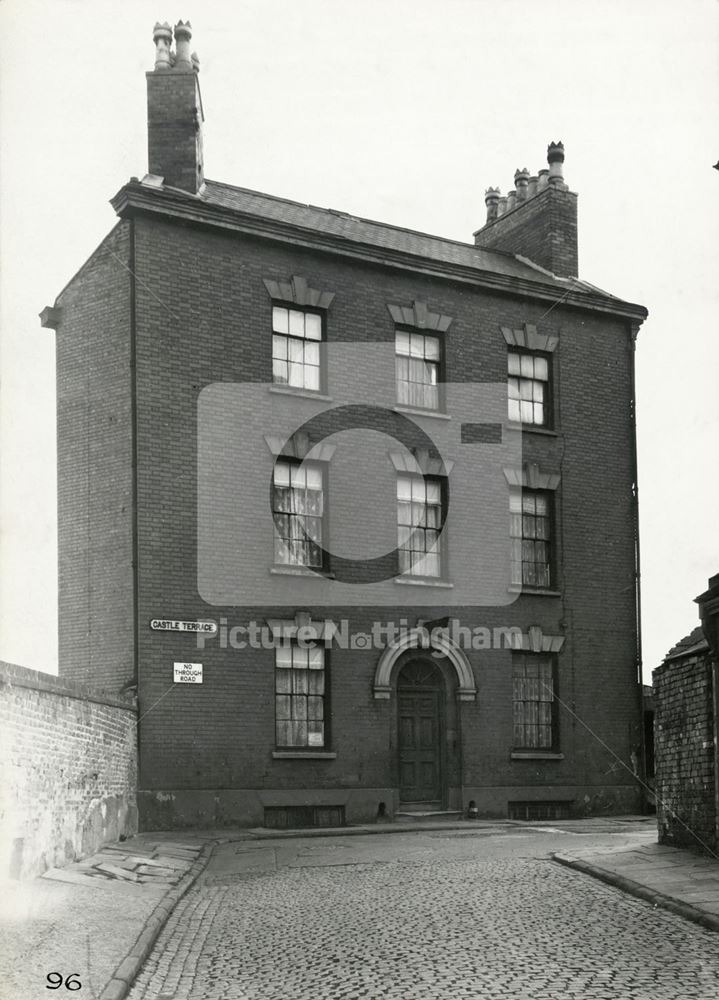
x,y
94,917
679,881
348,913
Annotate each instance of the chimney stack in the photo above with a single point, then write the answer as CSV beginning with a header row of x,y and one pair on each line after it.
x,y
174,110
537,218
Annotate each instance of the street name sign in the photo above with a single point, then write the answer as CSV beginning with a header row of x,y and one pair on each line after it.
x,y
173,625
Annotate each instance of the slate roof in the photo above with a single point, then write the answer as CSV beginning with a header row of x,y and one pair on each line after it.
x,y
267,216
690,645
379,234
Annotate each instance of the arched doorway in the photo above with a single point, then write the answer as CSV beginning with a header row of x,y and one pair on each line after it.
x,y
420,723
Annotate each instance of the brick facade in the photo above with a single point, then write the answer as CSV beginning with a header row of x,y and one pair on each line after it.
x,y
198,743
94,358
162,494
69,758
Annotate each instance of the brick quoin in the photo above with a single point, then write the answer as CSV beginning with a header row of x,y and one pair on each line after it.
x,y
136,349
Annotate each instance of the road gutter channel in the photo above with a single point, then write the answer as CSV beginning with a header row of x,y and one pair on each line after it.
x,y
126,972
677,906
413,826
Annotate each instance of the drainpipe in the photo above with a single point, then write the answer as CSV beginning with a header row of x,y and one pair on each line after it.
x,y
633,331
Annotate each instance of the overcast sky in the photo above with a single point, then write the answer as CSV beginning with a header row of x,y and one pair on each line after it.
x,y
402,111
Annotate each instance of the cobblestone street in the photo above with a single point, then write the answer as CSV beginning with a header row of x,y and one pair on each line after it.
x,y
420,916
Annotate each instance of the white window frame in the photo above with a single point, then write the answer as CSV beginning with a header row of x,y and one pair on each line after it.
x,y
297,337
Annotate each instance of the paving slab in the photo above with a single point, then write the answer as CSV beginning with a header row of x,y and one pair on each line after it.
x,y
170,861
72,876
118,872
150,862
155,871
145,852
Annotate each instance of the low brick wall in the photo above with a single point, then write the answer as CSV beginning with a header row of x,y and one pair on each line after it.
x,y
684,733
69,770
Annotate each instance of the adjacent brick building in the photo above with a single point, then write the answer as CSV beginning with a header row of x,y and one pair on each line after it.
x,y
392,474
686,744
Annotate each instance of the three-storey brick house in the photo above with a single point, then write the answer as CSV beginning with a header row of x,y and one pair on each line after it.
x,y
375,489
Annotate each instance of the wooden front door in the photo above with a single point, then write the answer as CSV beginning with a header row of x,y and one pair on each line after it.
x,y
420,771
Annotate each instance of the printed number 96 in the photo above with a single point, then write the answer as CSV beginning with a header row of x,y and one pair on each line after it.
x,y
56,980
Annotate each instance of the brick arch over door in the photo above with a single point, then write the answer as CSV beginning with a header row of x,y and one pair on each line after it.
x,y
419,639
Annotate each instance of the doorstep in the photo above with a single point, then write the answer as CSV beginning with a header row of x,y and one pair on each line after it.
x,y
415,814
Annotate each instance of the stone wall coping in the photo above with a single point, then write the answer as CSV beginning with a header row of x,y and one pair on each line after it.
x,y
13,675
680,663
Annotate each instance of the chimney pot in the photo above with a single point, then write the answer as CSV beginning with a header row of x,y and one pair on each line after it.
x,y
555,159
532,187
542,179
521,181
511,200
502,206
491,200
555,152
195,62
162,37
183,37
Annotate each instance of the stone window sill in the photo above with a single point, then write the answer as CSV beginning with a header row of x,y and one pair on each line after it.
x,y
415,411
303,755
301,571
419,581
287,390
512,589
536,755
531,429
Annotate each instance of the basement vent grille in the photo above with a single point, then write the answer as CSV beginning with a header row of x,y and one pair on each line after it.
x,y
540,810
296,817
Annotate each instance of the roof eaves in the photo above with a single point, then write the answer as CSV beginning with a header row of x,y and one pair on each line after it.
x,y
135,197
